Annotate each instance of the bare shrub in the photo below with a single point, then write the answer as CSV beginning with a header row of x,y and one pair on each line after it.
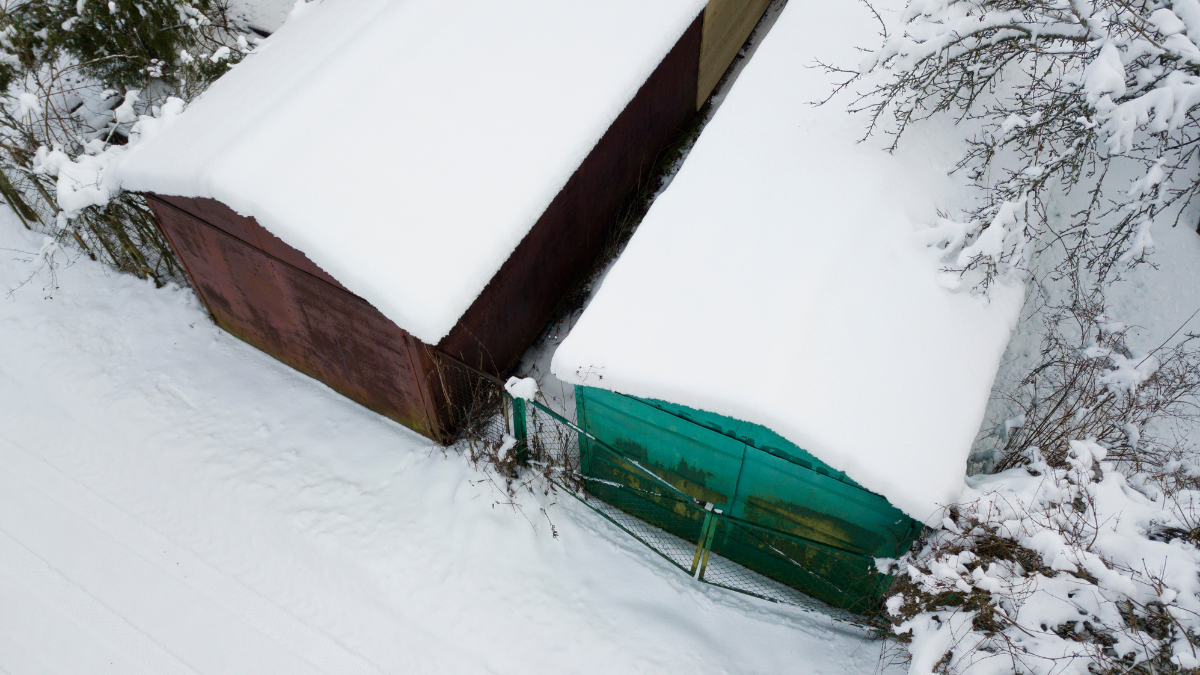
x,y
1088,384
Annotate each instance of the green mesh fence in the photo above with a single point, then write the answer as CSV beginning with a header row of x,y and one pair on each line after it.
x,y
703,543
699,540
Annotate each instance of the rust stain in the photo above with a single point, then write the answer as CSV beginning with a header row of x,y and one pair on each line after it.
x,y
802,521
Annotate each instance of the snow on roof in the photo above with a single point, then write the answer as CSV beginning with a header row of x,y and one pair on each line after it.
x,y
407,146
778,280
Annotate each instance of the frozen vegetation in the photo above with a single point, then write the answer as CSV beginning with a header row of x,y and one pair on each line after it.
x,y
1073,549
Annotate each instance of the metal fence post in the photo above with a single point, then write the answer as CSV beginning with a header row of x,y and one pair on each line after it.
x,y
520,431
702,543
712,530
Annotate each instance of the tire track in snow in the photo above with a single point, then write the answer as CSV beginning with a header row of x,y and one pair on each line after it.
x,y
202,595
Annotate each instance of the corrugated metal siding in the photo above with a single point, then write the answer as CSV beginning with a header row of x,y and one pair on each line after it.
x,y
304,320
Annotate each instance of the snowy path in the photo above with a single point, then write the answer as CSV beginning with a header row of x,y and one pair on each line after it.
x,y
128,581
173,501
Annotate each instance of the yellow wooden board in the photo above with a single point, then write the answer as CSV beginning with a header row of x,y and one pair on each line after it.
x,y
727,24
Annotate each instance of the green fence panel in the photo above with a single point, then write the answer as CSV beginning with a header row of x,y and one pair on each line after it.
x,y
627,487
786,496
754,435
697,461
785,514
841,578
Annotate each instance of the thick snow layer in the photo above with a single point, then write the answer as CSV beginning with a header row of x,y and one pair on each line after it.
x,y
780,280
518,387
407,146
262,15
174,501
1101,532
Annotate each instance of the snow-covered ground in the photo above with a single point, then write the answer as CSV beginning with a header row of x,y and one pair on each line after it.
x,y
172,500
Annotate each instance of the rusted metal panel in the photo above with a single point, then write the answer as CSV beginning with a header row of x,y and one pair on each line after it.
x,y
518,302
359,352
249,231
214,213
304,321
422,364
237,283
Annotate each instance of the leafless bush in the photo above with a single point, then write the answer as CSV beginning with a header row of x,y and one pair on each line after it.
x,y
1130,635
1088,384
484,423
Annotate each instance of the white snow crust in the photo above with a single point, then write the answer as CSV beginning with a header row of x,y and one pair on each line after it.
x,y
781,279
407,146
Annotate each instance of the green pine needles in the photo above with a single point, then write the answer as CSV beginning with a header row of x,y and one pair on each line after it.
x,y
121,43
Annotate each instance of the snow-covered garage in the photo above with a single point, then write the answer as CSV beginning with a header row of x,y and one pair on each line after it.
x,y
382,184
776,341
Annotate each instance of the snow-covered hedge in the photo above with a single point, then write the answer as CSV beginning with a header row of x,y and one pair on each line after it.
x,y
77,78
1080,117
1048,570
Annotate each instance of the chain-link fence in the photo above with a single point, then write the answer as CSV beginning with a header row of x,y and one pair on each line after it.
x,y
679,528
470,406
700,540
716,547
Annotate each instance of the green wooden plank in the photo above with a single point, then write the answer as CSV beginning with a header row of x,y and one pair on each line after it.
x,y
520,431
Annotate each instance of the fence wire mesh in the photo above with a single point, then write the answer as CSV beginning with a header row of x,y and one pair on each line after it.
x,y
471,406
702,542
677,550
553,446
690,536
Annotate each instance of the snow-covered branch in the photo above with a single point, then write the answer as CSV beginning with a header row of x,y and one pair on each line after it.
x,y
1055,570
1080,112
